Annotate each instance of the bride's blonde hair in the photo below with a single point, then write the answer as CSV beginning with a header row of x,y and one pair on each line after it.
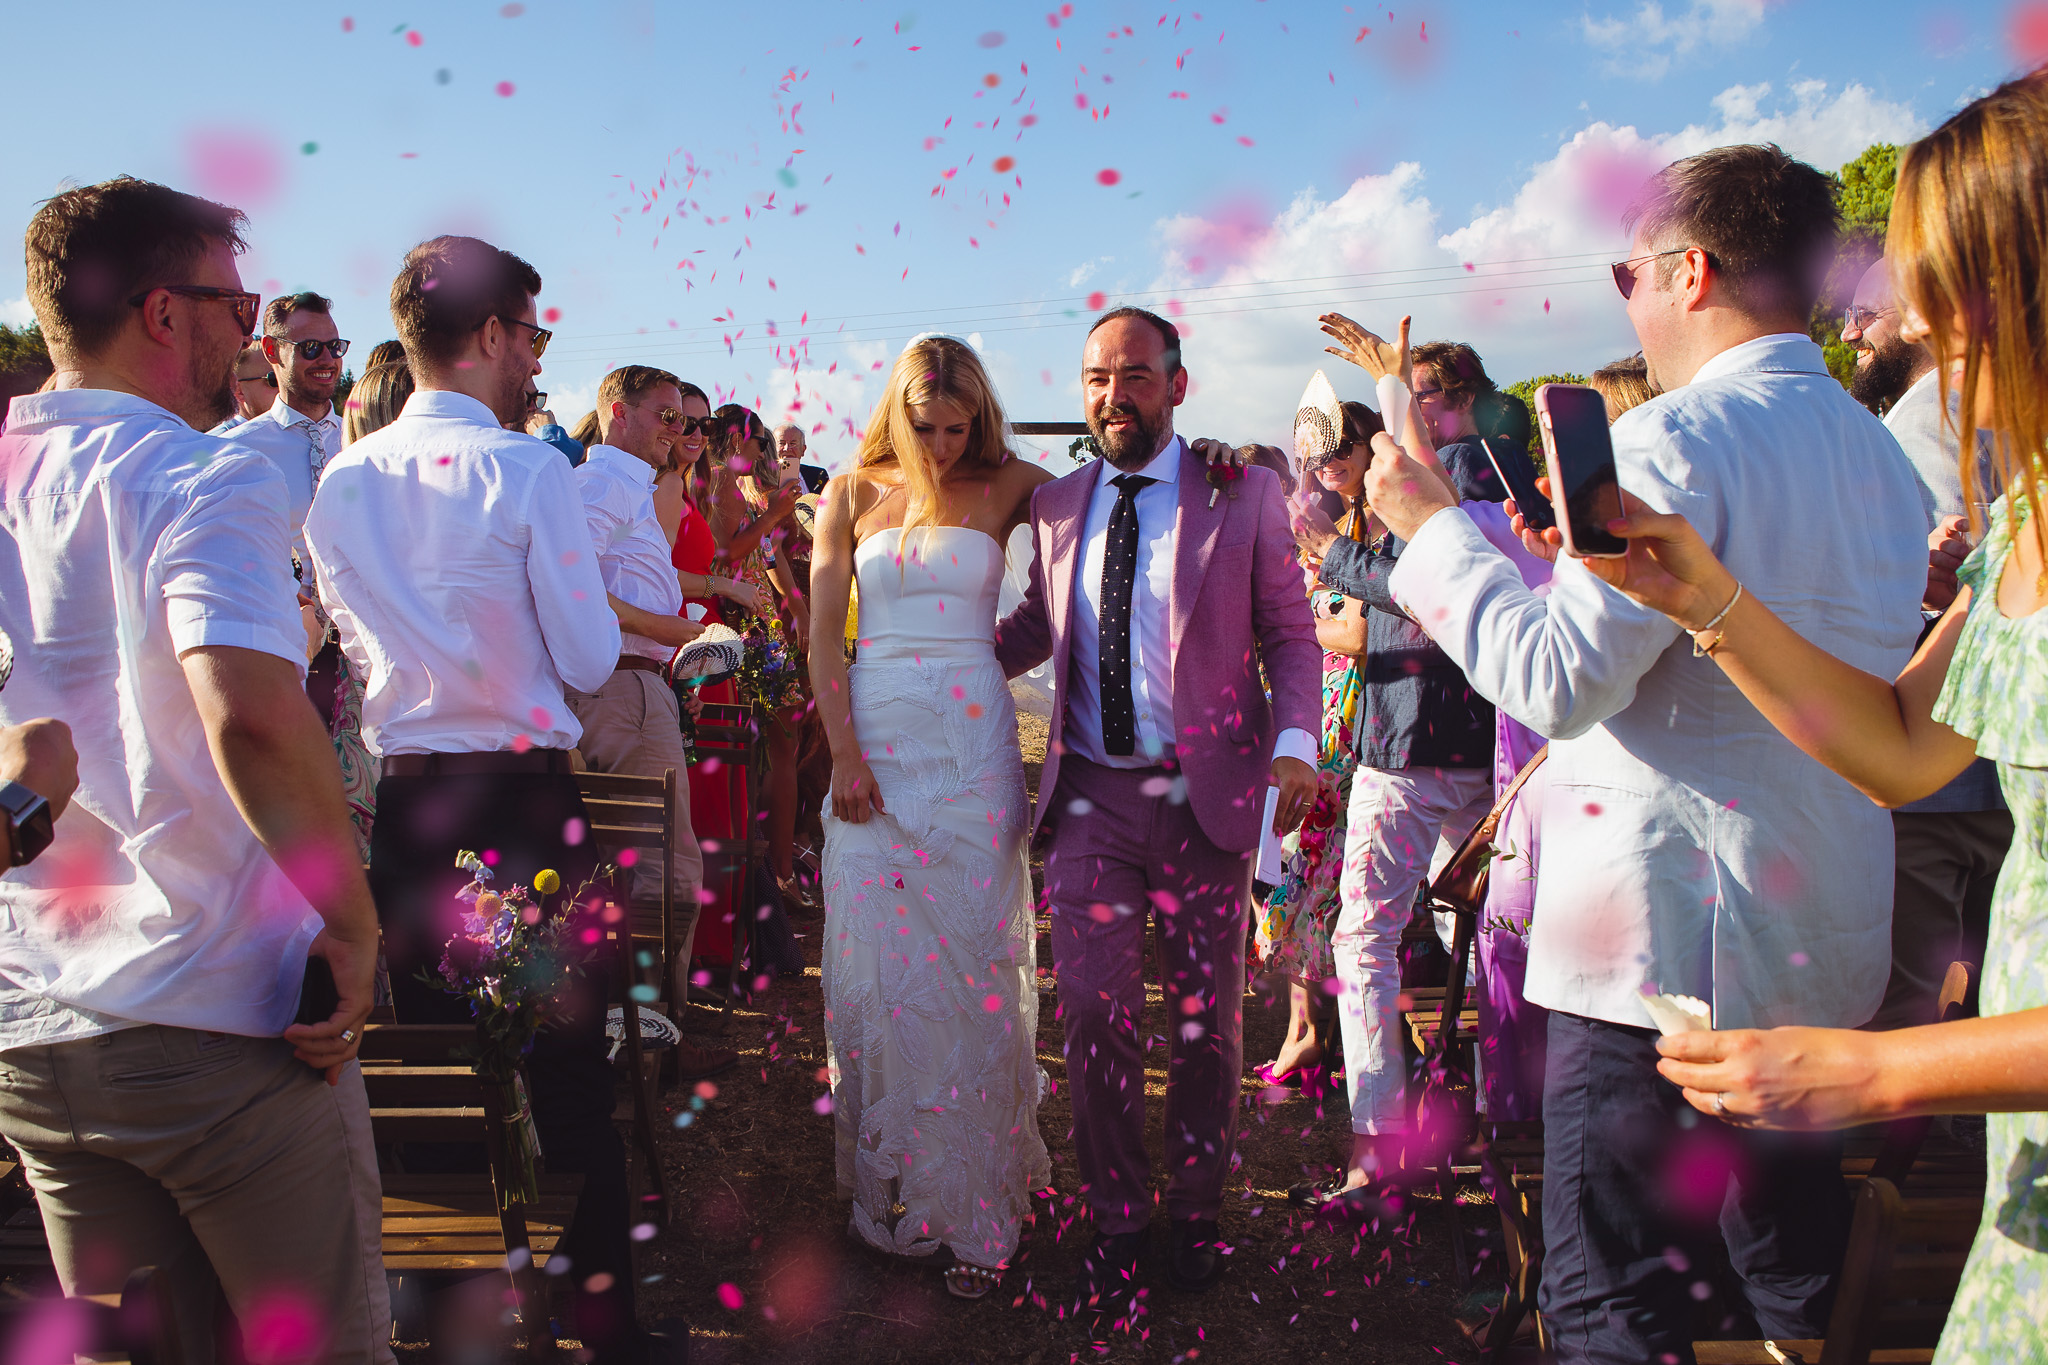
x,y
930,370
1968,242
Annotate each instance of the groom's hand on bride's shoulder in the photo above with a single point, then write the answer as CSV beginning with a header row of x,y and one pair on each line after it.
x,y
1297,783
1209,450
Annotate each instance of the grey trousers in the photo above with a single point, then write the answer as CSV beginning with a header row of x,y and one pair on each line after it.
x,y
222,1161
632,725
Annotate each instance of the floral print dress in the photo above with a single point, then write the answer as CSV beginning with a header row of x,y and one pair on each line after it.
x,y
1997,693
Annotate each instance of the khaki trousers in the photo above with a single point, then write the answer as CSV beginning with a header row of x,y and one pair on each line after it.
x,y
632,725
220,1160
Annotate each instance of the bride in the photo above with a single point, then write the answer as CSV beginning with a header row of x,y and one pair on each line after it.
x,y
931,1005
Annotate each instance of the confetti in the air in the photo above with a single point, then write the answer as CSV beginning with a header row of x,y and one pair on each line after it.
x,y
505,89
1108,176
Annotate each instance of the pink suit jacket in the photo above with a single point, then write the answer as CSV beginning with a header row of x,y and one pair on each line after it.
x,y
1238,597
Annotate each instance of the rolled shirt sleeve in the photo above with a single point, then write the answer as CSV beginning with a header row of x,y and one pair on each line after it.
x,y
225,563
576,622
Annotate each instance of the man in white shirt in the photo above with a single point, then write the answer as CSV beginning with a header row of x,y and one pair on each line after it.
x,y
632,724
300,431
167,1109
449,552
1688,848
1951,845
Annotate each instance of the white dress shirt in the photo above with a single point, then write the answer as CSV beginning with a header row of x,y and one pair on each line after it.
x,y
450,553
300,447
1935,452
126,539
1156,504
1688,847
633,555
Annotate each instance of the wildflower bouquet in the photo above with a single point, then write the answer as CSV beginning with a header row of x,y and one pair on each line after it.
x,y
770,676
510,960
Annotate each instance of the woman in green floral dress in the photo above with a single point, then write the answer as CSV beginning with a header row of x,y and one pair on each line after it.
x,y
1968,243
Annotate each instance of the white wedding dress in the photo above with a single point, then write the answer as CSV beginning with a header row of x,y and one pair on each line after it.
x,y
931,1003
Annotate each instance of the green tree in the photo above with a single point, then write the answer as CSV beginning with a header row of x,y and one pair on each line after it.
x,y
22,348
1863,195
1525,389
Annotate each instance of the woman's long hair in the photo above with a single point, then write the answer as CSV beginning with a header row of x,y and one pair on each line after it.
x,y
933,369
1968,243
376,400
740,442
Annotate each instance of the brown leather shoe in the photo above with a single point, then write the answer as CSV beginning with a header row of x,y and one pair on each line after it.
x,y
694,1063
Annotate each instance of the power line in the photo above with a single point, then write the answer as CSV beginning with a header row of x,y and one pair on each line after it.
x,y
1453,270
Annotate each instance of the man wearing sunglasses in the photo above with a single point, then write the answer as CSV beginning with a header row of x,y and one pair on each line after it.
x,y
1688,847
299,431
167,1109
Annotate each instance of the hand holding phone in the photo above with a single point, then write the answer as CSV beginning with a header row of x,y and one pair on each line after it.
x,y
1520,481
1585,494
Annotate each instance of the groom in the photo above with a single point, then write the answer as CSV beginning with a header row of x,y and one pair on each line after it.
x,y
1158,596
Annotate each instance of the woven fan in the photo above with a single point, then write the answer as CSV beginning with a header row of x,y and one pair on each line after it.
x,y
1318,424
712,657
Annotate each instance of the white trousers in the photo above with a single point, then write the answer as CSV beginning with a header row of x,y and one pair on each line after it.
x,y
1404,824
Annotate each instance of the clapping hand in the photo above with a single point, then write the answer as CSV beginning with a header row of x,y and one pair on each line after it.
x,y
1368,351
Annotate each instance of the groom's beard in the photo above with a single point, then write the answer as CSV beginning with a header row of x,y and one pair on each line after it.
x,y
1128,448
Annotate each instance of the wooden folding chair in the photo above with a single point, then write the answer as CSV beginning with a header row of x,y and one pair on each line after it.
x,y
638,813
422,1089
1897,1284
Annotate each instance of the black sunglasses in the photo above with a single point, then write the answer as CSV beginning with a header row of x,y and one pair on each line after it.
x,y
1625,271
541,335
536,400
245,303
310,350
265,378
692,425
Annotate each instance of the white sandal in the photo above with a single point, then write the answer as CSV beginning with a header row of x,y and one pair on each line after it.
x,y
965,1281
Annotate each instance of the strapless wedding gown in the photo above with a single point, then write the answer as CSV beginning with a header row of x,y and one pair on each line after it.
x,y
931,1002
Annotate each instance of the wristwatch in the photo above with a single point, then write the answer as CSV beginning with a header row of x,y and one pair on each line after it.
x,y
30,827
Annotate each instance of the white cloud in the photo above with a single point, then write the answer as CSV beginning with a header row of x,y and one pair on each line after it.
x,y
16,312
830,400
1646,43
1536,296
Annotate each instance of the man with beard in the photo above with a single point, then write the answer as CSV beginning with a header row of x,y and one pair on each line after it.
x,y
449,552
167,1110
301,431
1948,847
1155,780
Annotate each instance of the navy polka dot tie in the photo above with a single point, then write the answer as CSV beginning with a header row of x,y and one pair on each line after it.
x,y
1119,571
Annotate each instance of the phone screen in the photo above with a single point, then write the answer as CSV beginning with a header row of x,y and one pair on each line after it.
x,y
1521,486
1574,421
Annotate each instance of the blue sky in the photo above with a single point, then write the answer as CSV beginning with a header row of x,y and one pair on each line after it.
x,y
1269,159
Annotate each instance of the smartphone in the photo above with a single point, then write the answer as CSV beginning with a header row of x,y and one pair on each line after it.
x,y
1520,481
1584,492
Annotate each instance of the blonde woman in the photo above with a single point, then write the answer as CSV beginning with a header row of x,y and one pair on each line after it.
x,y
929,950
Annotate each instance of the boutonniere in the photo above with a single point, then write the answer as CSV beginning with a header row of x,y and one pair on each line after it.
x,y
1224,474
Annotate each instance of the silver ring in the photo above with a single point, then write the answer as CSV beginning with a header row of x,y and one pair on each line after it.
x,y
1720,1104
348,1035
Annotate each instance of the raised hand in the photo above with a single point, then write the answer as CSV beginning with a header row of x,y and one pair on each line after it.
x,y
1369,351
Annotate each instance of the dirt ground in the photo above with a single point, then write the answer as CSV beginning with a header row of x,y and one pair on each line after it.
x,y
758,1214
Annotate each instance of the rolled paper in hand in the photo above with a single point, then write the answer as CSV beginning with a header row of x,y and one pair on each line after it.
x,y
1679,1014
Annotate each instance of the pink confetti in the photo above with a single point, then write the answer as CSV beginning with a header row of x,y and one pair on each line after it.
x,y
552,315
413,38
505,89
729,1297
348,25
991,80
1003,164
992,1002
992,38
233,166
2028,32
1107,176
512,11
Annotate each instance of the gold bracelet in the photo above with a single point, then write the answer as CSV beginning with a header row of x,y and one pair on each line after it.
x,y
1699,651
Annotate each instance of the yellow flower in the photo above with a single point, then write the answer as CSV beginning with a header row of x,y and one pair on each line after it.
x,y
489,903
547,881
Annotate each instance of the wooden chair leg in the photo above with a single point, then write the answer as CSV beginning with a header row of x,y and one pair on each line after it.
x,y
643,1120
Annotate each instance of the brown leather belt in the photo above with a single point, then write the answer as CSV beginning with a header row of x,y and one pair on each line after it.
x,y
638,663
477,764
